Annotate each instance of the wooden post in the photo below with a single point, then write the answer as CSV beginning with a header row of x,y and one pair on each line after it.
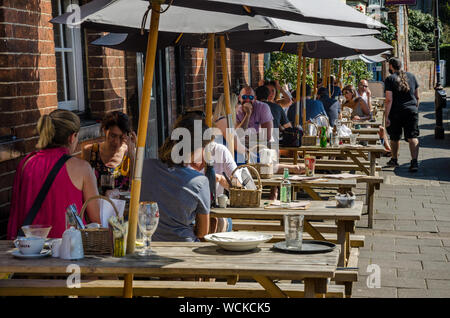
x,y
298,97
226,91
328,76
316,70
209,79
304,94
340,73
141,136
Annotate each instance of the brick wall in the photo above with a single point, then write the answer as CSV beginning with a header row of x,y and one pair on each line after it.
x,y
27,81
112,78
425,74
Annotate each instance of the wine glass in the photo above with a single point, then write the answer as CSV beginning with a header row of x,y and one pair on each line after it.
x,y
148,222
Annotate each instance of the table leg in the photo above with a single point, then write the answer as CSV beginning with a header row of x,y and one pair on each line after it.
x,y
310,288
271,288
370,200
312,193
372,163
128,286
341,239
314,286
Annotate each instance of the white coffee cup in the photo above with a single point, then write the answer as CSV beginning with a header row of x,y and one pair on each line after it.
x,y
223,200
29,245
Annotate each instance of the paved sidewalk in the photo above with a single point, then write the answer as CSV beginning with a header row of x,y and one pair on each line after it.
x,y
410,241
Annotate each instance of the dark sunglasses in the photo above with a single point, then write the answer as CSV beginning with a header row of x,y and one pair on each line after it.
x,y
249,97
365,86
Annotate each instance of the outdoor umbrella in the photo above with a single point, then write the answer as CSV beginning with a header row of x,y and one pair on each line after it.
x,y
297,10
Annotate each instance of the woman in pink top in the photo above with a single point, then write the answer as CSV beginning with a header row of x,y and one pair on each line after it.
x,y
74,183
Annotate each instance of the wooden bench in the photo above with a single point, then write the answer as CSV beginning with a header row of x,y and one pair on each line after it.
x,y
152,288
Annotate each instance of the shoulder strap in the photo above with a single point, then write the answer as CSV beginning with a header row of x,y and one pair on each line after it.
x,y
43,192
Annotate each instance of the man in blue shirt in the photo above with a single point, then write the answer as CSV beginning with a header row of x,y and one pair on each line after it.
x,y
313,107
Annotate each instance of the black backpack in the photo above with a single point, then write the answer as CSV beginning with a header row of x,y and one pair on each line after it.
x,y
291,137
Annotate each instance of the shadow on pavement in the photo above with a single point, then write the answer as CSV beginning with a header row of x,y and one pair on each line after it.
x,y
429,169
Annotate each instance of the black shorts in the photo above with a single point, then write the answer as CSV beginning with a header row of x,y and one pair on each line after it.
x,y
406,120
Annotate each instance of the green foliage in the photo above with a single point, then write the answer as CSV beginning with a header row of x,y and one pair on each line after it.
x,y
354,71
387,35
283,67
420,30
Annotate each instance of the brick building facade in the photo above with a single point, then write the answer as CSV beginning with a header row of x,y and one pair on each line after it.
x,y
44,67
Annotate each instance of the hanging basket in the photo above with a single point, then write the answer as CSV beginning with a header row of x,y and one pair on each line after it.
x,y
245,198
97,241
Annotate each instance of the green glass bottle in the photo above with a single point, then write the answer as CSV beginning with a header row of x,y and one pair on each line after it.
x,y
285,190
323,137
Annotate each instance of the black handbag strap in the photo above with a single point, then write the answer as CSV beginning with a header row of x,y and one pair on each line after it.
x,y
43,192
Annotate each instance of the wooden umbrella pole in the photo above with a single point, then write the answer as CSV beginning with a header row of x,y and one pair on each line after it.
x,y
226,91
298,97
304,93
316,69
329,79
340,73
209,79
324,73
141,136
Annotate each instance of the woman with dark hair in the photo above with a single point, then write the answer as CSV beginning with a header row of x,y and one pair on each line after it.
x,y
113,159
402,111
182,193
74,182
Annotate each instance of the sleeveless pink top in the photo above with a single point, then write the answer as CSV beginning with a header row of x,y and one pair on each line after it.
x,y
27,184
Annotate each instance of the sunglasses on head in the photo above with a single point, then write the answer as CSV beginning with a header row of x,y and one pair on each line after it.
x,y
249,97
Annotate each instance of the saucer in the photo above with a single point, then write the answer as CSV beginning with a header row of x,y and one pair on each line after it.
x,y
43,253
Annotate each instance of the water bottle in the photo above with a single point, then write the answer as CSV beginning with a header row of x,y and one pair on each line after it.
x,y
210,173
285,190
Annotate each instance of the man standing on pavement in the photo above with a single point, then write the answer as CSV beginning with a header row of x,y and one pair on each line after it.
x,y
402,108
364,92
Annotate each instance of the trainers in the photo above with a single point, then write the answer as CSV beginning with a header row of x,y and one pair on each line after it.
x,y
392,163
414,166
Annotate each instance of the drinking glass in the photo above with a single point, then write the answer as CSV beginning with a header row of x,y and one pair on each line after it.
x,y
148,222
353,139
293,230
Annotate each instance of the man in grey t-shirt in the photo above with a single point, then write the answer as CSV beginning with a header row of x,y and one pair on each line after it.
x,y
181,194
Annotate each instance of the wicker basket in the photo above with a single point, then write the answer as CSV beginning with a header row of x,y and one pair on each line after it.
x,y
245,198
97,241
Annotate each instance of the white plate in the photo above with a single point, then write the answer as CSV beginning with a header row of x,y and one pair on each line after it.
x,y
43,253
238,241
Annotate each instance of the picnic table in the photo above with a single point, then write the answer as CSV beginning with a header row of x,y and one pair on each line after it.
x,y
345,219
342,185
354,152
176,259
369,138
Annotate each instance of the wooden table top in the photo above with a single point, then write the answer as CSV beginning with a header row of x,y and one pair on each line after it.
x,y
363,137
318,210
323,182
365,131
345,147
180,258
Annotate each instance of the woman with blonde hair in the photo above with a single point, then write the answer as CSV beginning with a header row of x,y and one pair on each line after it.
x,y
47,181
360,109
